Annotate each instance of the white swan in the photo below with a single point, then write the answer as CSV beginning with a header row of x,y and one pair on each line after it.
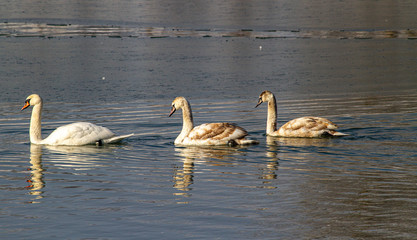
x,y
79,133
209,133
305,127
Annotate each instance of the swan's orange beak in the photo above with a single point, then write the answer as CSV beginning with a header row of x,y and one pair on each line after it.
x,y
172,111
259,102
27,104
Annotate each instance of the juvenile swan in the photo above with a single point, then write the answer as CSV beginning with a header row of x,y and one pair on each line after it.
x,y
209,133
79,133
305,127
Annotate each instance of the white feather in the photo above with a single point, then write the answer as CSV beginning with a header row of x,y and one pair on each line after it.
x,y
79,133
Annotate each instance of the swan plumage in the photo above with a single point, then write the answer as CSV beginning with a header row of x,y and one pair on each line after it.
x,y
208,133
306,127
79,133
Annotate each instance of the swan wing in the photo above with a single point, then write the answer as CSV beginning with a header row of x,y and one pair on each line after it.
x,y
310,123
214,134
79,133
308,127
217,131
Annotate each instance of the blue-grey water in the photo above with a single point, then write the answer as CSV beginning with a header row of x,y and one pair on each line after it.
x,y
120,65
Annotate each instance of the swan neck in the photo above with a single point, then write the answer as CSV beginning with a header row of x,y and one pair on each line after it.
x,y
271,123
187,123
187,117
35,124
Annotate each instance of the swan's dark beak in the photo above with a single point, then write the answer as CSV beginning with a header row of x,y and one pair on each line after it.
x,y
259,102
27,104
172,111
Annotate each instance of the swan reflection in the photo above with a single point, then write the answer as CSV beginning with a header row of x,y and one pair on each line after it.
x,y
190,156
78,157
198,157
269,172
183,178
298,142
36,170
300,151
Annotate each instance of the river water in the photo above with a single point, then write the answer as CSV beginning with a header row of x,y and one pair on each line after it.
x,y
120,65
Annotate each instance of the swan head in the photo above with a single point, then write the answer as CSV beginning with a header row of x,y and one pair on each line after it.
x,y
32,100
265,96
178,103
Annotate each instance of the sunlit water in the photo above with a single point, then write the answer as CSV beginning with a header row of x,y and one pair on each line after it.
x,y
124,75
293,188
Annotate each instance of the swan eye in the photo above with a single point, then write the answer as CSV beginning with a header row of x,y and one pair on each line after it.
x,y
27,102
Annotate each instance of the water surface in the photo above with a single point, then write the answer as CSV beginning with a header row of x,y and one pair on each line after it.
x,y
121,65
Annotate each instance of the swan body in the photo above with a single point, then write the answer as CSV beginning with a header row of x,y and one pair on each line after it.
x,y
209,133
79,133
305,127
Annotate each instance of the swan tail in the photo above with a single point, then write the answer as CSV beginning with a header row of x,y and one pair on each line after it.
x,y
337,134
245,141
115,139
